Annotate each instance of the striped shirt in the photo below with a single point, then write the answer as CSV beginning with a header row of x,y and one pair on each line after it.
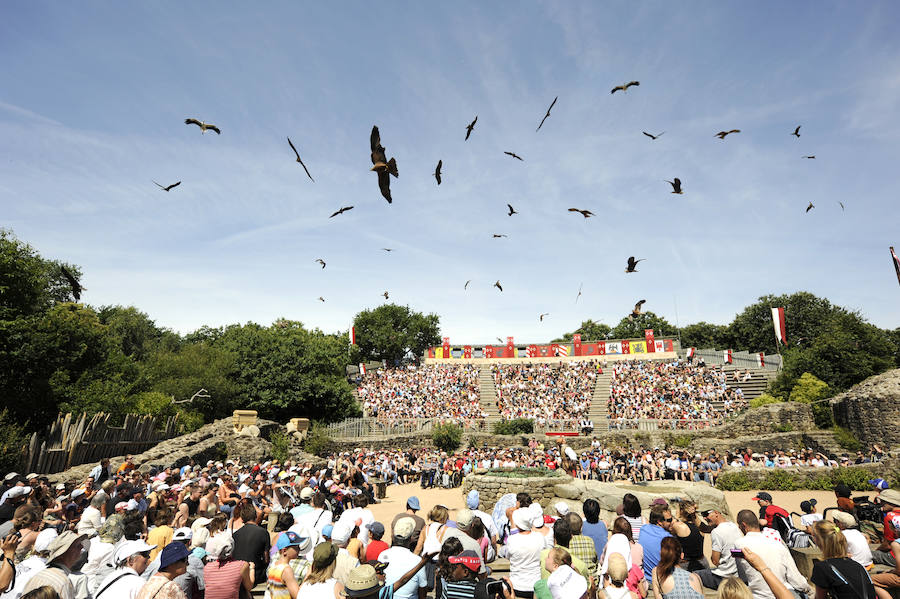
x,y
583,548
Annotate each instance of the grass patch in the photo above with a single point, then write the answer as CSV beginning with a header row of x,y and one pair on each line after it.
x,y
523,472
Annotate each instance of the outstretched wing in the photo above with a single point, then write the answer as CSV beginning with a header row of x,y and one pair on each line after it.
x,y
630,83
375,139
617,88
193,122
290,143
637,306
173,186
384,184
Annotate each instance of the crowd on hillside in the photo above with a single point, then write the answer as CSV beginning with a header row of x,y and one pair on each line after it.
x,y
446,392
545,392
689,396
218,530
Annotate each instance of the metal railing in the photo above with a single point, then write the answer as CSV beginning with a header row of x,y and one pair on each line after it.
x,y
657,424
740,359
370,428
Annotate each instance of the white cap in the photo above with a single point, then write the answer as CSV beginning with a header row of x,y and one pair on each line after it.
x,y
341,532
566,583
522,518
129,548
11,476
183,534
17,492
77,493
306,493
44,538
562,508
60,487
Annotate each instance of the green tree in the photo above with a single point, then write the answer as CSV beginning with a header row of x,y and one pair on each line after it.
x,y
704,335
394,333
134,332
29,284
630,328
589,331
446,436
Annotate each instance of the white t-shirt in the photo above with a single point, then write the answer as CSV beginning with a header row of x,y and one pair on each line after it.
x,y
723,538
810,519
358,513
401,560
524,552
126,587
858,547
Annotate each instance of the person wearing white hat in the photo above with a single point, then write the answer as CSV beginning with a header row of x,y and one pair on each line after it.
x,y
131,559
63,552
524,552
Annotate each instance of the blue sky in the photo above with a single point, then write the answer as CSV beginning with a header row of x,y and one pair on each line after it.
x,y
94,96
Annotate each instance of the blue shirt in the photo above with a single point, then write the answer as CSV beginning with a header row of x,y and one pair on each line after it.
x,y
598,533
651,540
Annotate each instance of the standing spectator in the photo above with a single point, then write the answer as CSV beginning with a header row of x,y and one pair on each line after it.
x,y
400,559
857,543
670,581
581,546
652,535
172,564
223,576
774,553
593,527
837,576
125,582
723,537
251,543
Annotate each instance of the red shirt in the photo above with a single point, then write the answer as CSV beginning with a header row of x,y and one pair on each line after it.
x,y
374,549
770,513
889,533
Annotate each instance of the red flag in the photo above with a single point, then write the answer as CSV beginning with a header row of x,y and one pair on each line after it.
x,y
780,327
761,360
362,368
727,356
352,335
648,336
896,263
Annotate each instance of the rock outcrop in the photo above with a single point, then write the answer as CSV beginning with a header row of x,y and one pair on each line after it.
x,y
871,409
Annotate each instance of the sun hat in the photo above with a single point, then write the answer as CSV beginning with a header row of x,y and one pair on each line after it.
x,y
522,518
324,554
129,548
183,534
306,493
844,518
61,544
566,583
468,558
464,517
880,484
173,553
361,581
562,508
200,522
11,476
220,546
290,539
404,528
890,496
43,540
413,503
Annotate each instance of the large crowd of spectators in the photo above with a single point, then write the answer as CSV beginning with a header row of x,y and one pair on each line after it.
x,y
545,392
445,392
680,394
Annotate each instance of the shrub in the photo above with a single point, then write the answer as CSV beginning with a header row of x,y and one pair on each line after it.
x,y
814,391
517,426
734,481
681,441
845,439
784,428
779,480
764,399
280,446
13,441
446,437
317,441
523,472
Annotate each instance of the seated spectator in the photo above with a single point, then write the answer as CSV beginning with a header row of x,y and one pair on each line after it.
x,y
548,393
774,553
670,581
857,543
837,575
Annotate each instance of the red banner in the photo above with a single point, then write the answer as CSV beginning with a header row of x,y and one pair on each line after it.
x,y
726,355
576,341
467,351
510,347
488,351
648,335
626,346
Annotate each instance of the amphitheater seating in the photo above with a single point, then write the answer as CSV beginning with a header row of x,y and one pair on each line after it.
x,y
545,392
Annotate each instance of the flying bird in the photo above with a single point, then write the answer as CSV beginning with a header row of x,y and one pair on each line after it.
x,y
73,283
548,114
514,155
813,157
471,126
796,132
724,134
388,249
203,126
497,285
543,315
632,263
167,187
385,294
341,211
584,213
383,166
637,309
676,185
579,292
300,161
466,286
810,207
842,206
511,210
499,339
625,87
437,171
498,235
651,136
321,299
320,261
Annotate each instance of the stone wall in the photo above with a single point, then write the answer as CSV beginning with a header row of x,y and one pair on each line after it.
x,y
491,487
871,409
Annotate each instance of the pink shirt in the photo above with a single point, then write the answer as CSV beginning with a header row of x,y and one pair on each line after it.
x,y
223,579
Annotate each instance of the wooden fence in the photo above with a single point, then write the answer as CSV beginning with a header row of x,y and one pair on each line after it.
x,y
72,441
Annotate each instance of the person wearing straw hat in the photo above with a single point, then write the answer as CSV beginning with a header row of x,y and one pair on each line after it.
x,y
63,553
131,559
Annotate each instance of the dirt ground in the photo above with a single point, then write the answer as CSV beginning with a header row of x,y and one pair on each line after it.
x,y
395,502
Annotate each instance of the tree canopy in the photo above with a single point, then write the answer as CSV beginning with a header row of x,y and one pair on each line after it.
x,y
394,333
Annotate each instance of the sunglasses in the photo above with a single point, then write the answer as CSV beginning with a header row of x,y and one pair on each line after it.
x,y
668,519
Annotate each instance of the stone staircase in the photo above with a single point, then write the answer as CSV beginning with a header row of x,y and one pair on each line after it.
x,y
753,388
488,395
599,410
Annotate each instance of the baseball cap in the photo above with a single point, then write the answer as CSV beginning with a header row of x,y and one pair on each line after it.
x,y
413,503
807,505
404,528
566,583
464,517
11,476
327,530
183,534
173,553
324,554
306,493
377,528
522,518
361,581
659,501
880,484
43,539
290,539
844,518
341,532
468,558
762,495
129,548
19,492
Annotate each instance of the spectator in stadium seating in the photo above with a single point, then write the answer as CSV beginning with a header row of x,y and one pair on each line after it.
x,y
556,395
774,553
593,526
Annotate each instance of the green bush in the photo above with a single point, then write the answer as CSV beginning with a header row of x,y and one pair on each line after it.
x,y
517,426
764,399
845,439
13,442
784,428
734,481
317,441
280,446
446,437
812,390
523,472
779,480
682,441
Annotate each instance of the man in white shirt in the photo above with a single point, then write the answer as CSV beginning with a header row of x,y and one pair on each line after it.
x,y
775,555
723,537
131,558
400,560
857,544
359,515
318,518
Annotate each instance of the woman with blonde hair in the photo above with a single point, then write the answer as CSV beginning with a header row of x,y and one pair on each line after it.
x,y
836,574
432,538
733,588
